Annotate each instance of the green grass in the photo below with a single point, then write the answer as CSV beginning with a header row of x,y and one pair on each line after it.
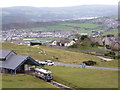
x,y
82,25
88,31
89,48
57,55
49,28
84,78
65,26
84,31
114,32
23,81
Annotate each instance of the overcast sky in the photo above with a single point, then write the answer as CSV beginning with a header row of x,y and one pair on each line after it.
x,y
54,3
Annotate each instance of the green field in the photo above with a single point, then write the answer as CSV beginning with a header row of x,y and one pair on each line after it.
x,y
84,78
82,25
114,32
65,26
72,77
49,28
57,55
23,81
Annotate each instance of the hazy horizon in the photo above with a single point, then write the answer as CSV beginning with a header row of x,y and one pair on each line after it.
x,y
59,7
54,3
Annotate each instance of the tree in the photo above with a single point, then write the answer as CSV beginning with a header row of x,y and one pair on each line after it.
x,y
83,37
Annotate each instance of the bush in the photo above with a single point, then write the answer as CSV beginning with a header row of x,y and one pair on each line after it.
x,y
90,63
106,53
108,47
35,43
93,44
111,54
83,37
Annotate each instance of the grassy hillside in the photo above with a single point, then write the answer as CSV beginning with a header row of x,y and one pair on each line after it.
x,y
43,53
72,77
23,81
57,55
85,78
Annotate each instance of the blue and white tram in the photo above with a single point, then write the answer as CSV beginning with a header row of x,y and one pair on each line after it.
x,y
44,74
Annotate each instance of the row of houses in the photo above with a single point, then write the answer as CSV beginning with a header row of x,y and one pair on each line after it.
x,y
111,41
63,42
14,34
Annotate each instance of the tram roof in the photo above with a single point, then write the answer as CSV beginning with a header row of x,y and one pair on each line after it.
x,y
42,70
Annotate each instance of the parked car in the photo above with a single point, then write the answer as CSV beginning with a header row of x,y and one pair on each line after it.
x,y
43,63
49,62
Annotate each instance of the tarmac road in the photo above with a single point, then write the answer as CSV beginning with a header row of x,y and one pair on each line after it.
x,y
80,66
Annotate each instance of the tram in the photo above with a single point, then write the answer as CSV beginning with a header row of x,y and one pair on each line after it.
x,y
44,74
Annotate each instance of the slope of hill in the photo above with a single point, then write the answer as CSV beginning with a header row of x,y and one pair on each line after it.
x,y
106,25
56,55
25,14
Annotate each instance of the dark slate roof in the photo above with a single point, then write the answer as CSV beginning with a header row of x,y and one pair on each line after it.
x,y
4,53
13,62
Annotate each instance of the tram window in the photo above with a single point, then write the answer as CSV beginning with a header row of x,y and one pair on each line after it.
x,y
49,75
45,74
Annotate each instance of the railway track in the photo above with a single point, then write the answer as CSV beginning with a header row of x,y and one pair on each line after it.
x,y
58,85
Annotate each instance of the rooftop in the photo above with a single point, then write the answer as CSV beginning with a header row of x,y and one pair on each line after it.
x,y
4,53
14,61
